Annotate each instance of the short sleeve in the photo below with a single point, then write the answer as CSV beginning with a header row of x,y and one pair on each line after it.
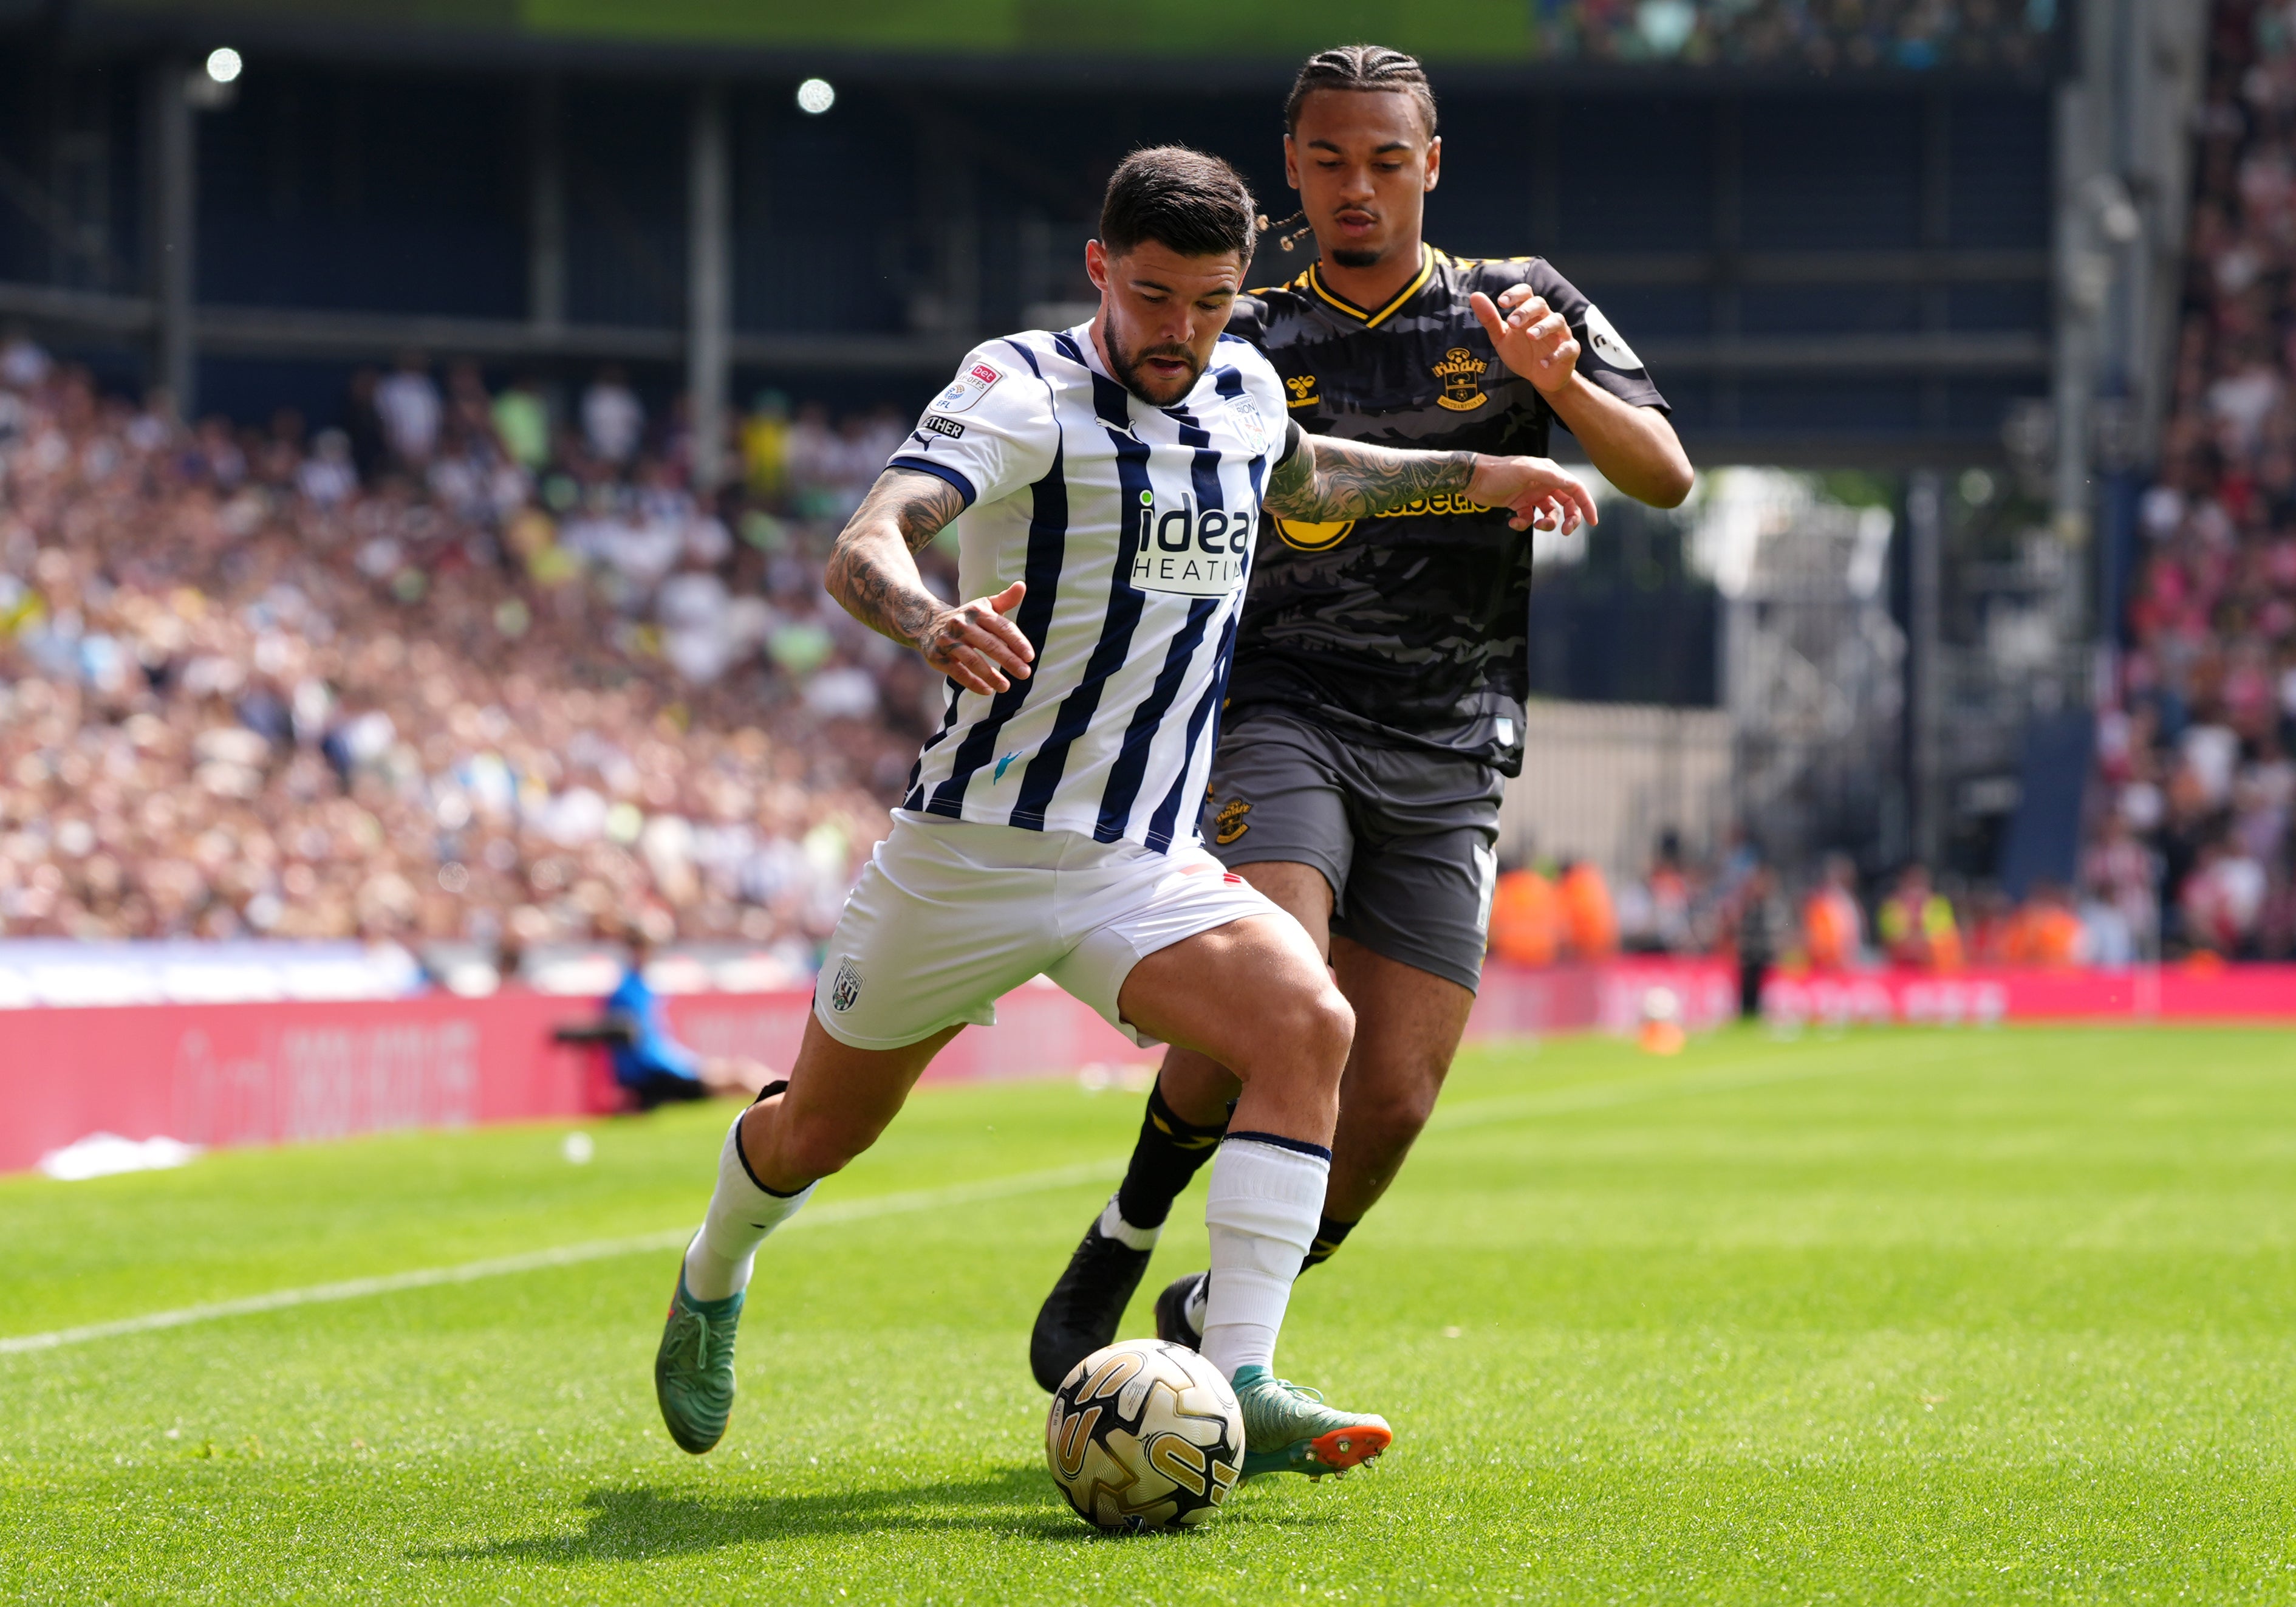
x,y
1605,357
990,432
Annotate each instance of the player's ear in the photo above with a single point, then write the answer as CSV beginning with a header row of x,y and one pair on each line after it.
x,y
1095,264
1434,163
1290,161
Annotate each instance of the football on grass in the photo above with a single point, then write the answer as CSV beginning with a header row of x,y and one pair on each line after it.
x,y
1143,1435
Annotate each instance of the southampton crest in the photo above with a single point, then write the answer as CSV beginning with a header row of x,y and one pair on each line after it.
x,y
1461,372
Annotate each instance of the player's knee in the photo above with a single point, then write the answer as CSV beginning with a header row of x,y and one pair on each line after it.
x,y
1397,1112
1323,1029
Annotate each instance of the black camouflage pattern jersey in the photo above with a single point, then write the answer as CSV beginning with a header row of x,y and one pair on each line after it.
x,y
1411,627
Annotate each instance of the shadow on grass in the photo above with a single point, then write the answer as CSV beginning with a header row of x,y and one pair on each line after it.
x,y
628,1524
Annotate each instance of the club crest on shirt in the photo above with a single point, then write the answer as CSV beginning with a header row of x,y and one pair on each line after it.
x,y
968,387
1230,824
845,992
1245,415
1461,372
1302,387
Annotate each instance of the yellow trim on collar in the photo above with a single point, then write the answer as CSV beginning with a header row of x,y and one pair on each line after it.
x,y
1373,320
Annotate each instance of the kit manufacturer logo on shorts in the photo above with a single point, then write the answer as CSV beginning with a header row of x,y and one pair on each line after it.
x,y
968,387
1191,552
1229,823
845,992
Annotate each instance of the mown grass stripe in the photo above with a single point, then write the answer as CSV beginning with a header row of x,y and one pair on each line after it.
x,y
829,1214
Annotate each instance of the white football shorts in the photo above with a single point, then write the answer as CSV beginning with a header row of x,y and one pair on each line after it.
x,y
950,915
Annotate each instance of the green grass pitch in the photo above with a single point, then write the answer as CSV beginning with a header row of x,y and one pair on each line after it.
x,y
1934,1316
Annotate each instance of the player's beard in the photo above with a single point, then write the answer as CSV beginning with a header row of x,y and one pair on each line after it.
x,y
1128,365
1356,259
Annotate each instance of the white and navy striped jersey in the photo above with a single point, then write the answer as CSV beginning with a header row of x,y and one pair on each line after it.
x,y
1134,527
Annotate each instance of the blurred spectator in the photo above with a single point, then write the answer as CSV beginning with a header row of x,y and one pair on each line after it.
x,y
1917,927
2045,932
652,1065
613,420
2190,843
1525,918
521,423
1589,917
1834,926
243,692
406,401
362,424
766,447
1763,923
1905,35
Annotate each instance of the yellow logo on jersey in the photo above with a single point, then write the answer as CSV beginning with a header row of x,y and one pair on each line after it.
x,y
1302,387
1299,534
1461,372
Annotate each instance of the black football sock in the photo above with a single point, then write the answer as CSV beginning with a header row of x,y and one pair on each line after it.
x,y
1166,1154
1331,1232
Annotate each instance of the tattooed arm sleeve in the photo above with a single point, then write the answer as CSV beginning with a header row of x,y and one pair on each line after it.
x,y
872,570
1329,480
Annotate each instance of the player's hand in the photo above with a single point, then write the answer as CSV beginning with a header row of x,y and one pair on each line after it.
x,y
1532,338
976,646
1536,490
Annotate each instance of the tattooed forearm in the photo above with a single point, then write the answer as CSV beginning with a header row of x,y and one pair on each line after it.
x,y
872,570
1332,480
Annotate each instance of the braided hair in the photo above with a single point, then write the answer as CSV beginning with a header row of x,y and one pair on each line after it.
x,y
1360,69
1365,69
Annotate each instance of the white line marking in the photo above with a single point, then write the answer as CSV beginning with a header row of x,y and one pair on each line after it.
x,y
1480,1112
830,1215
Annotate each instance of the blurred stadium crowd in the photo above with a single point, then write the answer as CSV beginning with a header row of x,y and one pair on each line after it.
x,y
2192,833
455,673
1819,34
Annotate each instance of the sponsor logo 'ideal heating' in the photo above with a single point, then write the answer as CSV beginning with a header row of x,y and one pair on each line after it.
x,y
1191,552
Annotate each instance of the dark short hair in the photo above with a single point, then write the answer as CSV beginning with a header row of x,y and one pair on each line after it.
x,y
1363,69
1195,204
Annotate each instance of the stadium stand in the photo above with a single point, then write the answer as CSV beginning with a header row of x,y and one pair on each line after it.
x,y
2191,830
1913,34
244,691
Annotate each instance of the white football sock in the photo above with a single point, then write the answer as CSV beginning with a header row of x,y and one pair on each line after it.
x,y
1264,1201
718,1262
1113,1225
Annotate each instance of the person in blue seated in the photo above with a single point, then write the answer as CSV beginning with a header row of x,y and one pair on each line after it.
x,y
652,1065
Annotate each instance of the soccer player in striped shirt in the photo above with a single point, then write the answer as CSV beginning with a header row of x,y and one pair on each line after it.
x,y
1382,663
1107,484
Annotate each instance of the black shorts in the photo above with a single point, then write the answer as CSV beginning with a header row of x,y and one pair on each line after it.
x,y
1407,839
654,1086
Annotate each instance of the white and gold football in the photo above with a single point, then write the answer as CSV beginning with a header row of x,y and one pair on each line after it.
x,y
1144,1435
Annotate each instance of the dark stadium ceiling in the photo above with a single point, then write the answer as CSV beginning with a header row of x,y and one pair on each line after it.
x,y
1222,43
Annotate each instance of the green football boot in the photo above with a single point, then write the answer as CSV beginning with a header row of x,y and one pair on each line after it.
x,y
1289,1430
693,1370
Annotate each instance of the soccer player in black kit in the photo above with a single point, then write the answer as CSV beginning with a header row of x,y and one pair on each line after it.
x,y
1376,700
